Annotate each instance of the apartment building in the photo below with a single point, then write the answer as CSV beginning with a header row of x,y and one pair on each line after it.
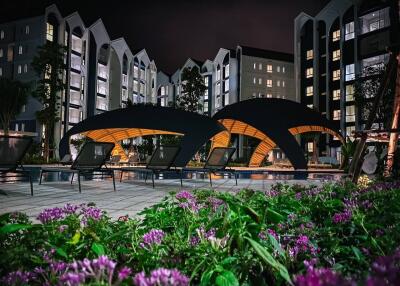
x,y
101,74
235,75
332,51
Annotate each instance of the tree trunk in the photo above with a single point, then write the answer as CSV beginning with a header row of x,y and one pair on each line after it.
x,y
394,136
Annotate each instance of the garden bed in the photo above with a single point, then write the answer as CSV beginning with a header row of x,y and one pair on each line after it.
x,y
339,234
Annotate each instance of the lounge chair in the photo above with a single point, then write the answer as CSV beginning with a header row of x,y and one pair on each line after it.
x,y
66,160
88,162
12,151
161,161
216,163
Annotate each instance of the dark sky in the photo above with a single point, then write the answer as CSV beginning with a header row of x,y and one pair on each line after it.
x,y
171,31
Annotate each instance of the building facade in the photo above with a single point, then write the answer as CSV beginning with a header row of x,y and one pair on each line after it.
x,y
332,51
101,74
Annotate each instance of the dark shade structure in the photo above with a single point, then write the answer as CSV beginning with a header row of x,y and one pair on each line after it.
x,y
274,122
140,120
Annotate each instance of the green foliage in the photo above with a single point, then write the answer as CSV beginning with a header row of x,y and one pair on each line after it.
x,y
217,238
347,151
192,89
13,96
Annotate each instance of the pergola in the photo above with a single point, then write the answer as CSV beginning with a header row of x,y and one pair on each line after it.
x,y
140,120
274,122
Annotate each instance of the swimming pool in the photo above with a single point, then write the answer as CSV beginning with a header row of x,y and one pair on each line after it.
x,y
242,174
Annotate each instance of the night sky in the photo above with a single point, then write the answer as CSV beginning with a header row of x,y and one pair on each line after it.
x,y
171,31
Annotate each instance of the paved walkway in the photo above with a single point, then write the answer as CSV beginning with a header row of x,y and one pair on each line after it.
x,y
131,197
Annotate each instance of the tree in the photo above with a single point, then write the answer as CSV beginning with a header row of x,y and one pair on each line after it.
x,y
366,88
192,89
49,66
13,96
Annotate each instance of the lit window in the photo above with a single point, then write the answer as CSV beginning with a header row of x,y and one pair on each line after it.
x,y
309,90
226,85
1,53
27,29
350,75
336,114
25,68
350,113
254,95
310,106
218,89
49,32
336,75
269,68
349,31
336,55
260,80
283,83
269,82
350,130
226,71
336,94
1,34
260,66
19,69
374,64
310,54
278,68
309,72
269,95
254,80
278,83
336,36
218,73
283,69
19,50
375,21
349,92
254,66
310,147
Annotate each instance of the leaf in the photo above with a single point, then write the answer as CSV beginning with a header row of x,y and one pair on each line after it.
x,y
98,248
274,216
61,252
206,278
10,228
226,278
269,259
276,245
75,239
357,253
228,260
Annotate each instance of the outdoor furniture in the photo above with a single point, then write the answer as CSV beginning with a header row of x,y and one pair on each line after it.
x,y
133,159
161,161
88,162
216,163
66,160
12,151
115,160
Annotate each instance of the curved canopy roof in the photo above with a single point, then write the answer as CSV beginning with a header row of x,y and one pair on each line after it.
x,y
275,122
140,120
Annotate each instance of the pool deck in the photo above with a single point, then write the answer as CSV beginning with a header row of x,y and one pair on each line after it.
x,y
131,197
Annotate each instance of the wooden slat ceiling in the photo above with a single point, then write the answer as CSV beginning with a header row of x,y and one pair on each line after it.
x,y
116,135
312,128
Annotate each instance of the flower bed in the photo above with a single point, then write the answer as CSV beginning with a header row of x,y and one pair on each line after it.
x,y
334,235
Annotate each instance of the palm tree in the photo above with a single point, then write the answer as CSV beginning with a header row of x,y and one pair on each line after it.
x,y
348,150
13,96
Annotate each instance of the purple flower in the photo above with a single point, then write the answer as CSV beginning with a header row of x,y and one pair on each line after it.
x,y
385,270
184,195
215,203
124,273
321,277
298,196
73,279
63,227
161,277
91,213
49,215
154,236
342,217
18,278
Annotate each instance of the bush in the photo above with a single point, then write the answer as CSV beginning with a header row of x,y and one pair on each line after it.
x,y
331,235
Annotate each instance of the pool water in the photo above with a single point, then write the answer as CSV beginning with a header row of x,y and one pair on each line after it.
x,y
242,174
